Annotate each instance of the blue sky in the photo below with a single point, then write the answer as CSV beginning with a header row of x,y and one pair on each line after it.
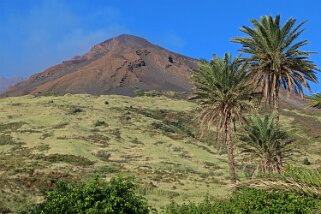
x,y
36,34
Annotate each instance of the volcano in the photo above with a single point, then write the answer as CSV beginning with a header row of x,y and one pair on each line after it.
x,y
119,65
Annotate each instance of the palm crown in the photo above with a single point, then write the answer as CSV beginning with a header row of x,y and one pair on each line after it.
x,y
275,57
222,90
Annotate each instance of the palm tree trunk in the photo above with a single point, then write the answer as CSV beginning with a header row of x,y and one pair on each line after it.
x,y
279,164
276,106
256,171
229,146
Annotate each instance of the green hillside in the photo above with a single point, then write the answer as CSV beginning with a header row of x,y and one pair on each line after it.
x,y
155,139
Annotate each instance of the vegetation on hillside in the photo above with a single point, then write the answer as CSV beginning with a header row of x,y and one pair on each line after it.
x,y
168,161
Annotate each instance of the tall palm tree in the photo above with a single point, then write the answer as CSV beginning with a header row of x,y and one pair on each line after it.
x,y
266,144
275,58
315,100
222,90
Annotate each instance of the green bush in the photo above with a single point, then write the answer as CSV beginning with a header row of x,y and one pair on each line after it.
x,y
95,196
138,92
75,110
251,201
4,209
306,161
71,159
100,123
152,93
103,155
6,140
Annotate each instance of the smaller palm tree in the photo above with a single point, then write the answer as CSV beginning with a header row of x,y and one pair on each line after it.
x,y
266,144
223,92
315,100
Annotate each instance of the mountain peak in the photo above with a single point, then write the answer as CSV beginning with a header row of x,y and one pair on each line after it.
x,y
127,40
121,42
119,65
129,37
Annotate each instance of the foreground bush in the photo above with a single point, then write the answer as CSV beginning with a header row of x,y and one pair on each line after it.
x,y
251,201
96,196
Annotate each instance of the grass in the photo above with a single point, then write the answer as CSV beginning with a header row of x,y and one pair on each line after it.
x,y
155,139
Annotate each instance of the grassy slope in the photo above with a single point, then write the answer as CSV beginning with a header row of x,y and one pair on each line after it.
x,y
149,138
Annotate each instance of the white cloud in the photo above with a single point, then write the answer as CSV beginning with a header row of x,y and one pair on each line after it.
x,y
78,41
51,32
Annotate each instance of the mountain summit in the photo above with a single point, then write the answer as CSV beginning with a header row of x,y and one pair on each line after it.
x,y
118,65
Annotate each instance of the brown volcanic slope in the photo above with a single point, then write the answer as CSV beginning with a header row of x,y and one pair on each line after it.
x,y
116,66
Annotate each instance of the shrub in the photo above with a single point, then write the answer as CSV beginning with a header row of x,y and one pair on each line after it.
x,y
102,140
5,127
4,210
111,168
136,141
100,123
103,155
138,92
164,127
95,196
116,133
6,140
152,93
250,201
75,110
306,161
71,159
170,94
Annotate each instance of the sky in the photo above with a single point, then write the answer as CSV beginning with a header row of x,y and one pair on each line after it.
x,y
37,34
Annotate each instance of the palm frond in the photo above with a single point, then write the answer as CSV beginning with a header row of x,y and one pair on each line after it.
x,y
315,100
293,179
284,185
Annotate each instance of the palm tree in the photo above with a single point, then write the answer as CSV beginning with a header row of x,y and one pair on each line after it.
x,y
315,100
223,93
266,144
275,58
